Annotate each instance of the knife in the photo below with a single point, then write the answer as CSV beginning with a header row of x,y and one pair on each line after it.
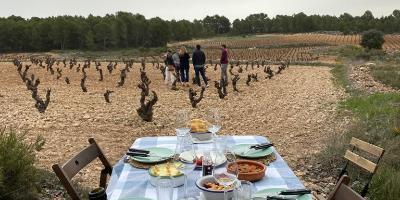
x,y
139,150
257,145
279,198
295,192
264,146
137,154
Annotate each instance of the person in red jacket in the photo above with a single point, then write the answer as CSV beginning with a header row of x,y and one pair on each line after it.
x,y
224,66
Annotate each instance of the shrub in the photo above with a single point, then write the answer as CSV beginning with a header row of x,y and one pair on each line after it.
x,y
372,39
387,74
385,185
18,176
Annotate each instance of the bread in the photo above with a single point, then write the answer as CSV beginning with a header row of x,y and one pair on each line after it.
x,y
198,125
167,169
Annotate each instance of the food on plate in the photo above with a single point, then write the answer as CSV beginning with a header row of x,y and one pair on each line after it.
x,y
216,186
167,169
198,125
248,168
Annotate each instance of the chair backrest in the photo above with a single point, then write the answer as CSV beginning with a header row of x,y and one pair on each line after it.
x,y
362,162
343,192
371,167
69,169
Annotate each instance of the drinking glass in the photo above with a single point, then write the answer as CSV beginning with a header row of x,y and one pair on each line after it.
x,y
182,123
165,188
226,174
185,159
214,121
244,190
220,143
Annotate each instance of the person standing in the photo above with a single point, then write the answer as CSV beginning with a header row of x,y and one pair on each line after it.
x,y
184,66
177,62
170,68
224,67
199,59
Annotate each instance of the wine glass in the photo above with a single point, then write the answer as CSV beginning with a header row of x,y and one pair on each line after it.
x,y
227,173
185,159
214,121
182,123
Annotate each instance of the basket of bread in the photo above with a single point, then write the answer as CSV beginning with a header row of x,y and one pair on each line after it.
x,y
199,130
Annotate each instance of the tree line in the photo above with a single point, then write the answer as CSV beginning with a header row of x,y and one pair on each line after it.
x,y
127,30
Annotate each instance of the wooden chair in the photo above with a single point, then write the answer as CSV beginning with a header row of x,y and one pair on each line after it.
x,y
69,169
344,192
364,163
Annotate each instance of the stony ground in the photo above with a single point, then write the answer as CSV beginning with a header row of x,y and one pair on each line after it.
x,y
362,79
296,111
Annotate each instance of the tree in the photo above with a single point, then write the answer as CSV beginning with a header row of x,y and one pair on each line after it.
x,y
104,34
372,39
217,24
157,32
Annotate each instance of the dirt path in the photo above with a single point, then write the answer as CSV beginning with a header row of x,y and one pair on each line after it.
x,y
295,110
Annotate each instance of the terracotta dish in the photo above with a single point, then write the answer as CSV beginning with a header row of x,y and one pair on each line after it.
x,y
250,170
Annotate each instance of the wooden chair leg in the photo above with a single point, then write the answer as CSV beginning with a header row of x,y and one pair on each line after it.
x,y
66,182
103,178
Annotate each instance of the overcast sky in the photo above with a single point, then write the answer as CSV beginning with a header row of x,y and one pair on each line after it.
x,y
191,9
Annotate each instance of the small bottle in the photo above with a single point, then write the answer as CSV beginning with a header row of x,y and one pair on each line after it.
x,y
207,164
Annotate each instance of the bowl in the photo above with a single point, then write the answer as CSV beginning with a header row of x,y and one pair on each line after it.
x,y
178,178
201,136
212,194
244,174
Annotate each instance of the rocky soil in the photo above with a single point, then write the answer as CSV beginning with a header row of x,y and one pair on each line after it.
x,y
296,110
362,79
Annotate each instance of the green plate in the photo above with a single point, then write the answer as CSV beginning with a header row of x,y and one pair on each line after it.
x,y
161,155
242,151
274,191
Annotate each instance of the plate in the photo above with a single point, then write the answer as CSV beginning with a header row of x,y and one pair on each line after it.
x,y
134,198
162,155
187,155
275,191
241,149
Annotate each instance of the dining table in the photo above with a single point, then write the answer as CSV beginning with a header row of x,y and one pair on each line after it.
x,y
128,182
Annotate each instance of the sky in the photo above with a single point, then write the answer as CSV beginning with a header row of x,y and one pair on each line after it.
x,y
194,9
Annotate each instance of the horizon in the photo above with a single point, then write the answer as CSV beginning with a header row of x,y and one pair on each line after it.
x,y
233,10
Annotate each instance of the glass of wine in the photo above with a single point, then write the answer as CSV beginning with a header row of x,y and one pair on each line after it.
x,y
214,121
185,159
182,123
227,173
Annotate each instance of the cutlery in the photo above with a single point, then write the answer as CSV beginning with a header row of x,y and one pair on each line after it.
x,y
279,198
146,156
258,147
295,192
138,150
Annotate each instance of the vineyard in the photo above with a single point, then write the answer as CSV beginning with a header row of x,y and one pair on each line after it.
x,y
271,91
275,48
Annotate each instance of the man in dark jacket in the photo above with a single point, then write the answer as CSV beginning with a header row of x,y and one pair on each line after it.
x,y
198,59
224,66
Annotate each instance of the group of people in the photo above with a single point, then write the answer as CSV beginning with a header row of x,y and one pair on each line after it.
x,y
179,63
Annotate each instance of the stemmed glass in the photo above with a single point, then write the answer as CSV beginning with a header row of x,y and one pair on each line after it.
x,y
182,123
214,121
185,159
227,173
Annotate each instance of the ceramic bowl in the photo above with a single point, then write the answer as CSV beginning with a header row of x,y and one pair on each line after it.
x,y
251,176
211,194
